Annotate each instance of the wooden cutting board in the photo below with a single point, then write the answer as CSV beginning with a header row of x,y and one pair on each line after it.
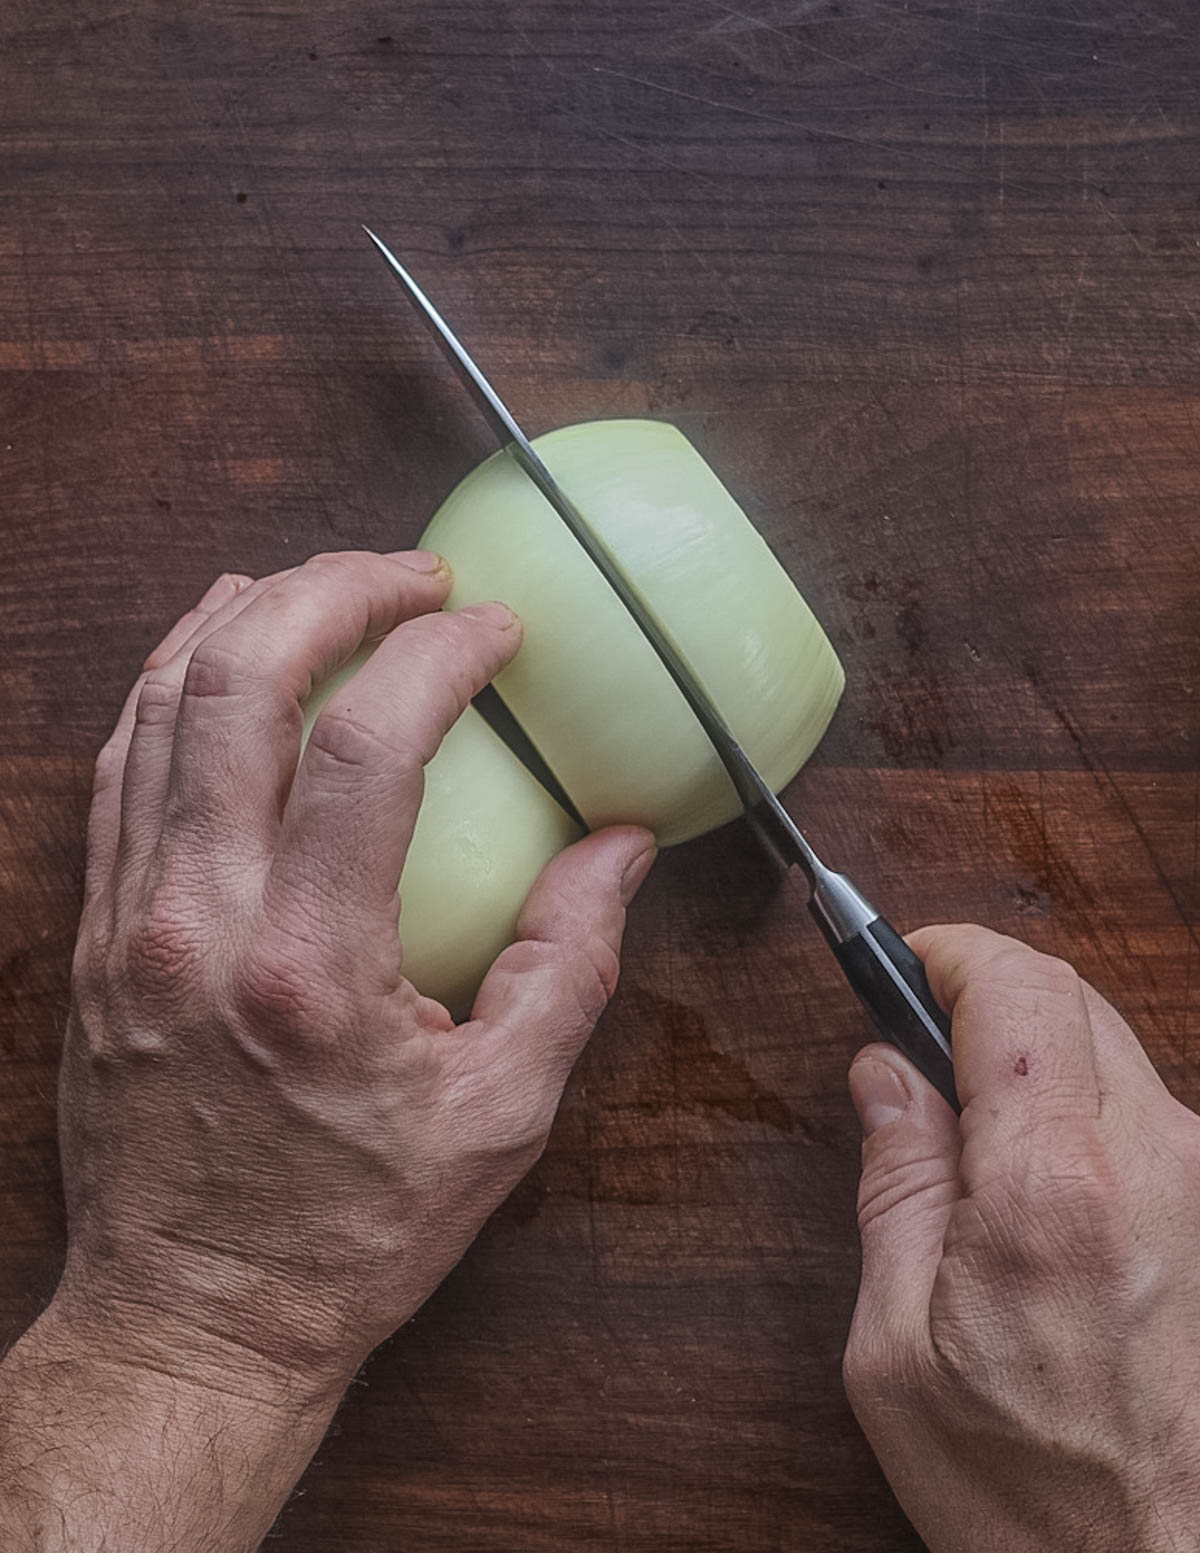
x,y
922,282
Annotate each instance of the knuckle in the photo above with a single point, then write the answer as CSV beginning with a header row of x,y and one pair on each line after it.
x,y
214,669
595,971
340,740
273,990
980,955
975,942
465,634
337,566
189,622
1060,1210
584,960
279,984
1018,966
158,699
458,627
1081,1210
247,589
583,976
892,1176
1057,975
1006,960
163,949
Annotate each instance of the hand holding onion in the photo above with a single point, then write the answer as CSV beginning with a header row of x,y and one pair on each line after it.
x,y
273,1146
239,948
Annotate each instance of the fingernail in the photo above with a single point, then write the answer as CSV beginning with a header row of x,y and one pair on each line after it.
x,y
225,587
635,874
498,615
421,560
879,1094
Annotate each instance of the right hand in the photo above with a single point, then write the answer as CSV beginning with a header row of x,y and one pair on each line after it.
x,y
1024,1356
273,1147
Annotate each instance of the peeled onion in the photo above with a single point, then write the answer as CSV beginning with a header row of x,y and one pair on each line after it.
x,y
587,688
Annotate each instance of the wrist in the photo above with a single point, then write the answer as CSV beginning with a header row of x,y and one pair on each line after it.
x,y
110,1326
213,1323
147,1439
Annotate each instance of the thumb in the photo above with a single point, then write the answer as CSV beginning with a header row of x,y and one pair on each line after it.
x,y
908,1187
541,998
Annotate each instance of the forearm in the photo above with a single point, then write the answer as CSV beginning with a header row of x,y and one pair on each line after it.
x,y
105,1450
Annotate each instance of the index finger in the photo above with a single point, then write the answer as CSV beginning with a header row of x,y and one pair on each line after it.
x,y
1024,1047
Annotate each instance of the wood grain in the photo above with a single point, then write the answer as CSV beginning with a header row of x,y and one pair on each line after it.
x,y
921,279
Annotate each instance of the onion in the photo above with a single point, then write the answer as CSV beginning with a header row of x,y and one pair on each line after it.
x,y
586,687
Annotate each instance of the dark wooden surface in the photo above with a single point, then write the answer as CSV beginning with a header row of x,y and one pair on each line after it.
x,y
923,280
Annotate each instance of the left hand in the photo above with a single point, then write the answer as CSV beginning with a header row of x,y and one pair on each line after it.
x,y
269,1137
273,1146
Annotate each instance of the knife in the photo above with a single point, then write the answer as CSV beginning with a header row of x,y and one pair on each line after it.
x,y
885,973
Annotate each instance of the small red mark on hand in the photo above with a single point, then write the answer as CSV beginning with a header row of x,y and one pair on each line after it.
x,y
1021,1067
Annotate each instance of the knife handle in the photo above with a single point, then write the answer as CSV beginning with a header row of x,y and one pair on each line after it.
x,y
889,979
